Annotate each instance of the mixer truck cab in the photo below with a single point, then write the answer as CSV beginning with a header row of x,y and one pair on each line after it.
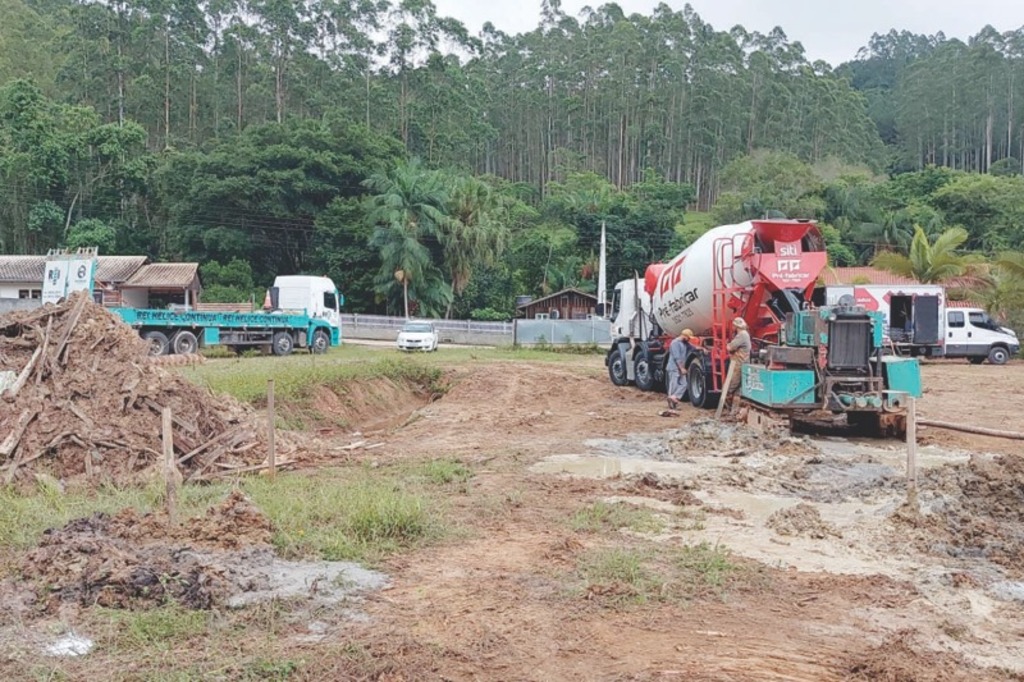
x,y
971,333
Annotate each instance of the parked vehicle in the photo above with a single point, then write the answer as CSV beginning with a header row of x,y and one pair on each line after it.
x,y
417,335
304,313
971,333
804,359
914,314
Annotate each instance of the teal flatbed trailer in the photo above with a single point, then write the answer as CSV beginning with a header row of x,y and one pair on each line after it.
x,y
184,332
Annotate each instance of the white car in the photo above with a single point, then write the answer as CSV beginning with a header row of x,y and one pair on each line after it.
x,y
417,335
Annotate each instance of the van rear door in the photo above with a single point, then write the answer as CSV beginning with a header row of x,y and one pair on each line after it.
x,y
926,320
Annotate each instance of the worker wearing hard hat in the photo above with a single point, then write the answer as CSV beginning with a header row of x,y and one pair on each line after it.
x,y
678,353
739,354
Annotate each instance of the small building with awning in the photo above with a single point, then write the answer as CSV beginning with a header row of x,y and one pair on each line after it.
x,y
163,285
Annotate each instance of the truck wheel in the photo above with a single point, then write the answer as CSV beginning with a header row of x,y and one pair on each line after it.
x,y
644,373
617,368
282,344
999,356
321,342
700,396
185,343
158,344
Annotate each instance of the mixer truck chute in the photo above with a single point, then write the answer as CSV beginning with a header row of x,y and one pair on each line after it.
x,y
764,271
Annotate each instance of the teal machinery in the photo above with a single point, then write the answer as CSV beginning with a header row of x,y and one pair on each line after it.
x,y
833,359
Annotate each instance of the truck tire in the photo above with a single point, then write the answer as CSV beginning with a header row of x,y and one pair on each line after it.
x,y
700,393
998,355
282,344
644,373
185,343
158,343
321,342
617,368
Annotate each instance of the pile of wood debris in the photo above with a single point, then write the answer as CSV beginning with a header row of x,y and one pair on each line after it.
x,y
78,396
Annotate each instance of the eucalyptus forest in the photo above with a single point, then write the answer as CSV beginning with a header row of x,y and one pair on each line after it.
x,y
363,138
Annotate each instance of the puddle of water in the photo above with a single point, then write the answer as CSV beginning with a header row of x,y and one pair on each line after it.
x,y
592,466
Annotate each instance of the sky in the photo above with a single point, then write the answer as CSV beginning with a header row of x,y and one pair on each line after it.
x,y
832,31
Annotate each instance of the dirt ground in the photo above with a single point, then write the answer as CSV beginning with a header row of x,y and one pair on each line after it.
x,y
853,587
831,575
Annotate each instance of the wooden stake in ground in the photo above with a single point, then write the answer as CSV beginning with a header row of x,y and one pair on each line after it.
x,y
271,430
725,390
170,466
912,452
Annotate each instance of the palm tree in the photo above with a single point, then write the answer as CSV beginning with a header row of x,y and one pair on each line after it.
x,y
1011,264
934,263
476,233
408,209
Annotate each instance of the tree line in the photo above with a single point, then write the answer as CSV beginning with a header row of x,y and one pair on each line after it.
x,y
365,138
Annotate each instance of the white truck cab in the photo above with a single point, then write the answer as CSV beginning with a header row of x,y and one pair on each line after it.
x,y
972,334
316,296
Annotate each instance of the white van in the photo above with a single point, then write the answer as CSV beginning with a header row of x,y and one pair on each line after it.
x,y
972,334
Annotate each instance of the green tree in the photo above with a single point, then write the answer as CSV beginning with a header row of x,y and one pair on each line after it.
x,y
91,232
408,208
933,262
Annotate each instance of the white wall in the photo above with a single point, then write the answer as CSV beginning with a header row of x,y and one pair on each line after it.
x,y
10,289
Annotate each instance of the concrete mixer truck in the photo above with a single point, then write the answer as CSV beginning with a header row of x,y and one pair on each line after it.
x,y
805,358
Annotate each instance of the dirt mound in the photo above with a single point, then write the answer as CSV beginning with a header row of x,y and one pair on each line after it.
x,y
898,659
803,519
133,561
973,509
85,400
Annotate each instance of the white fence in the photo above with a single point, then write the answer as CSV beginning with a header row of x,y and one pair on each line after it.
x,y
449,331
562,332
525,332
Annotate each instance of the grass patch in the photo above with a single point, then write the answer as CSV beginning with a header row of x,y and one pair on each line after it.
x,y
162,627
444,471
25,514
295,377
363,519
602,516
356,516
702,568
620,576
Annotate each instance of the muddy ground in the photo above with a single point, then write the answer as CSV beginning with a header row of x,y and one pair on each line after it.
x,y
810,564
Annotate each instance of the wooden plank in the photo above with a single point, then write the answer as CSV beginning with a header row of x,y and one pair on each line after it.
x,y
170,470
22,379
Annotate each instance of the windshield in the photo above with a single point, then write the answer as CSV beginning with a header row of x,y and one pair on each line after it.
x,y
417,328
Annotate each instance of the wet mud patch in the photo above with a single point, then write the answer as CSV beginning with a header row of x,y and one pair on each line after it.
x,y
972,510
223,558
802,520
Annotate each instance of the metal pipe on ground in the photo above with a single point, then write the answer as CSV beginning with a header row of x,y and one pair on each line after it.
x,y
978,430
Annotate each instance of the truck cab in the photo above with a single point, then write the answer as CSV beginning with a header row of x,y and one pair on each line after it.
x,y
317,297
971,333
